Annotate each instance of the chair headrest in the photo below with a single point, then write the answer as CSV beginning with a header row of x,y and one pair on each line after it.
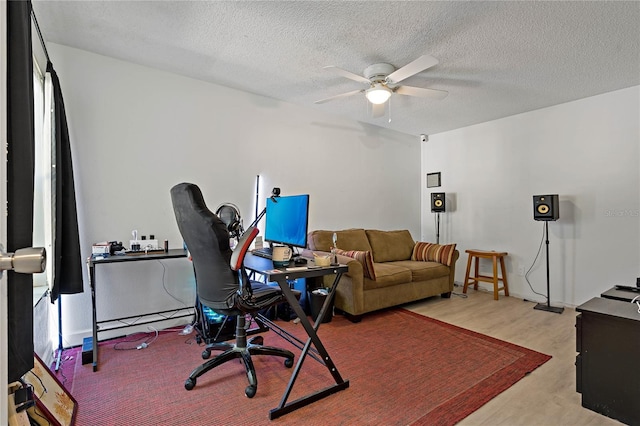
x,y
203,231
241,249
187,197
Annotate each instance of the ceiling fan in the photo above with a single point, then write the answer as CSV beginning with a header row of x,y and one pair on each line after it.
x,y
382,80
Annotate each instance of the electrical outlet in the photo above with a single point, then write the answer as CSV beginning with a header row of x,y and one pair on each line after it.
x,y
521,270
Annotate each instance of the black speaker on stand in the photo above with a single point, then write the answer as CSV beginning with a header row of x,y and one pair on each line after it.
x,y
438,205
546,208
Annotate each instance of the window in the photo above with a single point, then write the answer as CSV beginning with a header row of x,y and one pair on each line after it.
x,y
44,172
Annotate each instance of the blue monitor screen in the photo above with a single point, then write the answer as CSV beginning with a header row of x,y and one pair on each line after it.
x,y
287,220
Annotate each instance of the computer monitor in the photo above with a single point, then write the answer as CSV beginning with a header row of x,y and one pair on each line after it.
x,y
287,219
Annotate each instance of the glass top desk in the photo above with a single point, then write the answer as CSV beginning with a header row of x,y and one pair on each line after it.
x,y
137,257
281,276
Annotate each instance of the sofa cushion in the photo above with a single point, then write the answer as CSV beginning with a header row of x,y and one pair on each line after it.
x,y
348,239
363,257
389,246
388,274
434,252
424,271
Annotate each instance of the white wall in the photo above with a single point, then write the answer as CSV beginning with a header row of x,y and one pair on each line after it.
x,y
588,152
136,132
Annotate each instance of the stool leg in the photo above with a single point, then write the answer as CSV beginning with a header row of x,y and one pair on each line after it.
x,y
466,276
476,272
504,277
495,278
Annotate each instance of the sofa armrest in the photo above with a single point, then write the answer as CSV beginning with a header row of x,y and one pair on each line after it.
x,y
350,291
452,267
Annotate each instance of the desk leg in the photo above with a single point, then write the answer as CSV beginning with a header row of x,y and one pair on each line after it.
x,y
340,384
92,282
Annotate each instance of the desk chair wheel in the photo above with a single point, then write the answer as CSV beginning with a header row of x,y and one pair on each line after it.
x,y
250,391
288,362
190,384
206,354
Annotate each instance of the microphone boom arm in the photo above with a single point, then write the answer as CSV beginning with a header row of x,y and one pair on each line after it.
x,y
275,193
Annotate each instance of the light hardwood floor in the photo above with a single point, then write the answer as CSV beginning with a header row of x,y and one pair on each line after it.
x,y
548,395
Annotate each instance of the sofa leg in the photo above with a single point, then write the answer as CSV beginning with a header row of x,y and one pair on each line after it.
x,y
446,295
353,318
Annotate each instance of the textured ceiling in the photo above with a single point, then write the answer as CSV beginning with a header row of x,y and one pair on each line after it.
x,y
496,58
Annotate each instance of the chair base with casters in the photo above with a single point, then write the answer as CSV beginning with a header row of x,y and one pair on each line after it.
x,y
242,349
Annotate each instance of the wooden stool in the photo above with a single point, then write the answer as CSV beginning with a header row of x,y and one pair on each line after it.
x,y
494,255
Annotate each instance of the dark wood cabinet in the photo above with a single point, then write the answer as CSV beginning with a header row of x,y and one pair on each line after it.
x,y
608,361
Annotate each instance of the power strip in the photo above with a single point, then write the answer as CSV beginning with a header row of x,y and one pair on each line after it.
x,y
144,244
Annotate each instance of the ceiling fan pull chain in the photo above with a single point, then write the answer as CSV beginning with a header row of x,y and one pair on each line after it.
x,y
389,110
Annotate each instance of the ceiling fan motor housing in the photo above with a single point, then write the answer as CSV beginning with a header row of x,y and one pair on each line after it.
x,y
378,72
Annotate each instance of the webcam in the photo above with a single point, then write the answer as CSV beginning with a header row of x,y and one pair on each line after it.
x,y
275,193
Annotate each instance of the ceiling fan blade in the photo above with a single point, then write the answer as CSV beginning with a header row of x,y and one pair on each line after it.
x,y
377,110
347,74
420,64
421,92
342,95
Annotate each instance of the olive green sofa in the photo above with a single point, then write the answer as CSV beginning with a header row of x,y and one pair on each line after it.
x,y
386,268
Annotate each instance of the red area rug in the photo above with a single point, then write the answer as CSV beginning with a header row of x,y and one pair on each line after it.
x,y
403,368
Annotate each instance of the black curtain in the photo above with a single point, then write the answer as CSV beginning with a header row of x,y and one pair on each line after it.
x,y
68,263
20,164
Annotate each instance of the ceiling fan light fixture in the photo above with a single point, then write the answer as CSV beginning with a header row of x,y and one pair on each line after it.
x,y
378,94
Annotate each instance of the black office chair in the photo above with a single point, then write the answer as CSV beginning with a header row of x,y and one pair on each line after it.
x,y
222,283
